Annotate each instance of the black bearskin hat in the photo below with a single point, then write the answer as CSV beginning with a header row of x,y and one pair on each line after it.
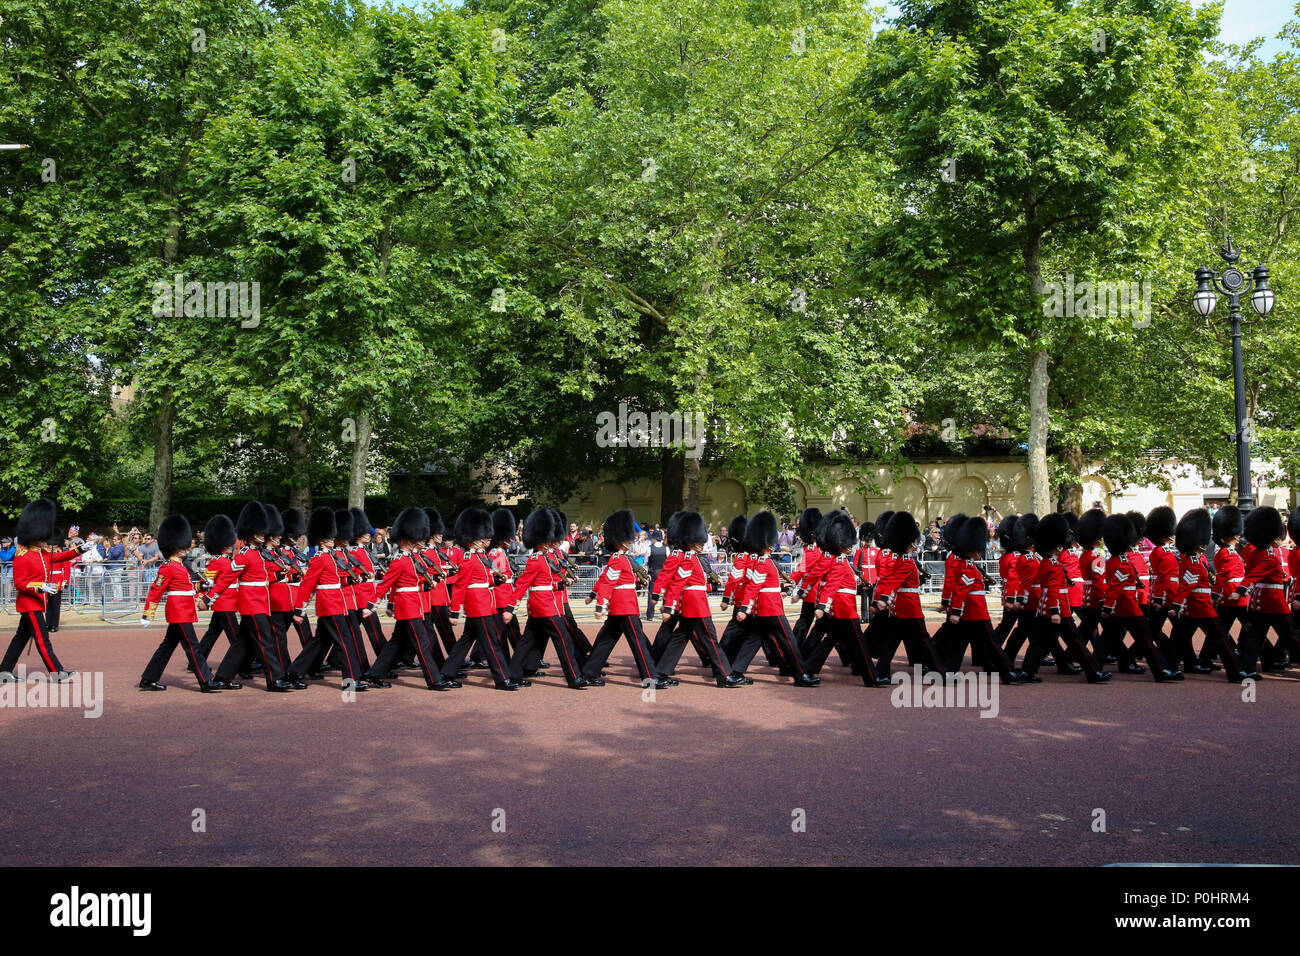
x,y
36,523
436,525
322,525
902,532
1072,520
1089,530
1227,524
761,532
1119,534
294,523
174,535
1264,526
218,534
1007,533
343,523
618,528
1161,523
672,530
360,522
473,524
882,525
736,530
971,535
1293,526
1139,524
411,524
808,523
503,525
1052,532
252,521
1193,531
837,534
692,529
274,523
867,532
1023,533
950,527
539,528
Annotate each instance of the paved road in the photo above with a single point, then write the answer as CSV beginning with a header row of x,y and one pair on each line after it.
x,y
698,775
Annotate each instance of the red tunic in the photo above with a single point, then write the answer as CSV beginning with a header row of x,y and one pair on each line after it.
x,y
1092,568
838,591
324,581
1229,569
1053,587
1164,573
736,576
1267,579
1070,559
503,593
472,586
1008,571
1031,585
616,586
900,588
1194,594
969,601
760,592
539,581
406,585
175,584
222,575
1123,585
33,567
689,588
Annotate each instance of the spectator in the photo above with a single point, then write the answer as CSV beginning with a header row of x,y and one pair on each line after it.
x,y
586,542
74,536
573,532
116,550
150,558
381,549
640,549
786,538
7,550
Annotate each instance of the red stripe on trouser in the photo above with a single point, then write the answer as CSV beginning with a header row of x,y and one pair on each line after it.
x,y
788,648
558,640
637,641
356,641
253,620
492,646
699,627
40,644
428,671
191,641
339,641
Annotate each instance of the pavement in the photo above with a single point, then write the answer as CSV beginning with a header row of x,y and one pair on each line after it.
x,y
1065,773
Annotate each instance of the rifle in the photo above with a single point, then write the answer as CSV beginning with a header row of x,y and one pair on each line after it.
x,y
715,582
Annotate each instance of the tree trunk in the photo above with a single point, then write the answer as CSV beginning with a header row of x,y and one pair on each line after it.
x,y
672,480
357,471
1071,492
692,476
160,500
299,473
1040,490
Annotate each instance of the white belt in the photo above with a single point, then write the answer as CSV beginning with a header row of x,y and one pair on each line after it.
x,y
543,587
769,590
1130,587
254,584
233,586
1201,591
908,591
1272,587
179,594
1077,580
625,587
406,590
328,587
974,592
846,591
482,585
695,587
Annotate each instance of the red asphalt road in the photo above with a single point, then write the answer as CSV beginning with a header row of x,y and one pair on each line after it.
x,y
1184,772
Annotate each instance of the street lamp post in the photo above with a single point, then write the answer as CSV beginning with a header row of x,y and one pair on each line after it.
x,y
1233,283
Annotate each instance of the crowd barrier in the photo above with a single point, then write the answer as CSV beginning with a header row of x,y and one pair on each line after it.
x,y
115,592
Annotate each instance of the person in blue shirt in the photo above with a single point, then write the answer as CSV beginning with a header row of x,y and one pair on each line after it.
x,y
7,550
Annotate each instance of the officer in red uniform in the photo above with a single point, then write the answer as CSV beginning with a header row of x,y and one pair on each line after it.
x,y
405,583
837,603
1193,603
805,574
359,557
866,562
1055,620
615,594
899,593
733,635
884,562
61,575
1092,569
175,585
218,541
559,556
323,581
540,583
1027,587
760,599
1163,564
251,570
1008,566
663,580
969,624
472,589
438,599
1121,608
33,585
1267,582
1229,568
503,531
294,524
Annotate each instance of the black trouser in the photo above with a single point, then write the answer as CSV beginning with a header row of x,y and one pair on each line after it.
x,y
816,635
662,636
31,627
178,633
616,626
701,628
255,631
1010,617
352,631
222,622
1185,629
844,633
480,631
1227,614
911,632
775,629
1255,637
1090,630
370,624
581,645
650,593
1043,640
53,610
409,640
331,630
303,630
985,651
1156,614
438,619
1114,629
807,614
532,643
281,621
875,632
1021,632
734,634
